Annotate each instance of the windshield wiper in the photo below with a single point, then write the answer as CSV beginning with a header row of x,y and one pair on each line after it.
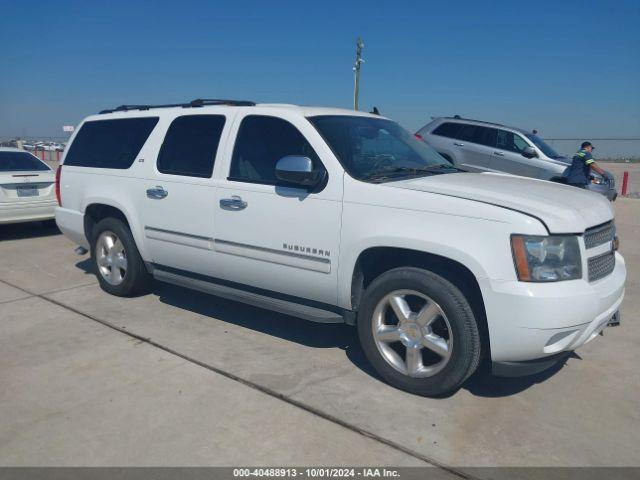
x,y
408,171
396,172
443,166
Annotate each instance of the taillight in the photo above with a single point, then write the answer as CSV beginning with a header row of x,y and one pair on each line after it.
x,y
58,172
418,136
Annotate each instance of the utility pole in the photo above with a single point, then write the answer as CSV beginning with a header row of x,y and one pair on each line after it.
x,y
356,69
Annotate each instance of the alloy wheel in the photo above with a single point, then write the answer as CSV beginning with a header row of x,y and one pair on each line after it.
x,y
412,333
111,258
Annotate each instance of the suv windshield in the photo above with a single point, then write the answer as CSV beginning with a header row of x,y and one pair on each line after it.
x,y
544,146
20,161
375,149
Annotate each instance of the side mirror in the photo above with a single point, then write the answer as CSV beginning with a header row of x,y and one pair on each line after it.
x,y
298,171
529,152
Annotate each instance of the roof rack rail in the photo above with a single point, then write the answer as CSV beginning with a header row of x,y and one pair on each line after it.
x,y
201,102
198,102
458,117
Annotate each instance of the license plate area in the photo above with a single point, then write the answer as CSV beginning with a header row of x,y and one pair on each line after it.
x,y
27,191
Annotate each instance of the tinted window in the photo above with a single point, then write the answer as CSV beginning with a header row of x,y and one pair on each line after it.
x,y
110,143
477,134
510,141
20,161
486,136
448,129
261,142
190,145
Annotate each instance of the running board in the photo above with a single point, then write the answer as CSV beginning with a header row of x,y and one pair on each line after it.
x,y
306,312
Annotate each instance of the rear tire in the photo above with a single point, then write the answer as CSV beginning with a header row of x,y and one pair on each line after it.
x,y
118,265
418,331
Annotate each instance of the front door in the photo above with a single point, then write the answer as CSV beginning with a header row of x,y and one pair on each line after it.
x,y
507,156
275,238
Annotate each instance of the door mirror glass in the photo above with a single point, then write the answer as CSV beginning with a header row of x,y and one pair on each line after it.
x,y
529,152
298,170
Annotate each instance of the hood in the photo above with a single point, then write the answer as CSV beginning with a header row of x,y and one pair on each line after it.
x,y
561,208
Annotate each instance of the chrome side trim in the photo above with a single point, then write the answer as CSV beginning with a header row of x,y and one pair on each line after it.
x,y
292,259
179,238
307,312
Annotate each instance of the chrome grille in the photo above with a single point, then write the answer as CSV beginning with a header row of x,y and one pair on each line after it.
x,y
598,235
601,266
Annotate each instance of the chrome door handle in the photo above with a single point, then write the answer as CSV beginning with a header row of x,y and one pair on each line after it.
x,y
500,154
233,203
157,193
458,144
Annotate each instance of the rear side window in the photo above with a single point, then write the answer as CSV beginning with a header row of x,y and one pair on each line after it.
x,y
261,142
448,129
20,161
110,143
477,134
190,145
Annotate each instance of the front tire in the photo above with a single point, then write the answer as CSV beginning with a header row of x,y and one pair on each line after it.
x,y
418,331
116,259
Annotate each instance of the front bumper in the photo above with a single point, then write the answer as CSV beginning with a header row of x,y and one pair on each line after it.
x,y
26,212
606,189
533,321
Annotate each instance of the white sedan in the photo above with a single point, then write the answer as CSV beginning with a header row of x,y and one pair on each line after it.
x,y
27,187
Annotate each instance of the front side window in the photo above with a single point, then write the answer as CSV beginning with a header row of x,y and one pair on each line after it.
x,y
376,149
190,146
21,162
520,143
544,146
110,143
260,143
511,141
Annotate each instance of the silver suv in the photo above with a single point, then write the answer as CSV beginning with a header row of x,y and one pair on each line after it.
x,y
490,147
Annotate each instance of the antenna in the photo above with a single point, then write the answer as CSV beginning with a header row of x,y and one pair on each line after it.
x,y
356,69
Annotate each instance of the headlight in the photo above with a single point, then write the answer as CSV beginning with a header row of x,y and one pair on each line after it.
x,y
546,259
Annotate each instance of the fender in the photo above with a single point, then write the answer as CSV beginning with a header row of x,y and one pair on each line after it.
x,y
102,197
350,256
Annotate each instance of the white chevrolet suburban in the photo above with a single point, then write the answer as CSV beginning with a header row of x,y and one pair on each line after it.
x,y
341,216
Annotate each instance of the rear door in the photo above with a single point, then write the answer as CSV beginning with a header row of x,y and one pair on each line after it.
x,y
507,155
178,197
474,146
24,179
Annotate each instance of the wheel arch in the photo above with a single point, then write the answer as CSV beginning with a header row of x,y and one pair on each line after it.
x,y
98,209
374,261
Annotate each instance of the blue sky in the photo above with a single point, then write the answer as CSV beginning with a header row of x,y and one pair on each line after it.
x,y
567,68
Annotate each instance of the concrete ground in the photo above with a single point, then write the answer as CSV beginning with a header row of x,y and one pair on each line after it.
x,y
177,377
618,169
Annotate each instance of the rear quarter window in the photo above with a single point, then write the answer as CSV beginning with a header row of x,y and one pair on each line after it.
x,y
110,143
